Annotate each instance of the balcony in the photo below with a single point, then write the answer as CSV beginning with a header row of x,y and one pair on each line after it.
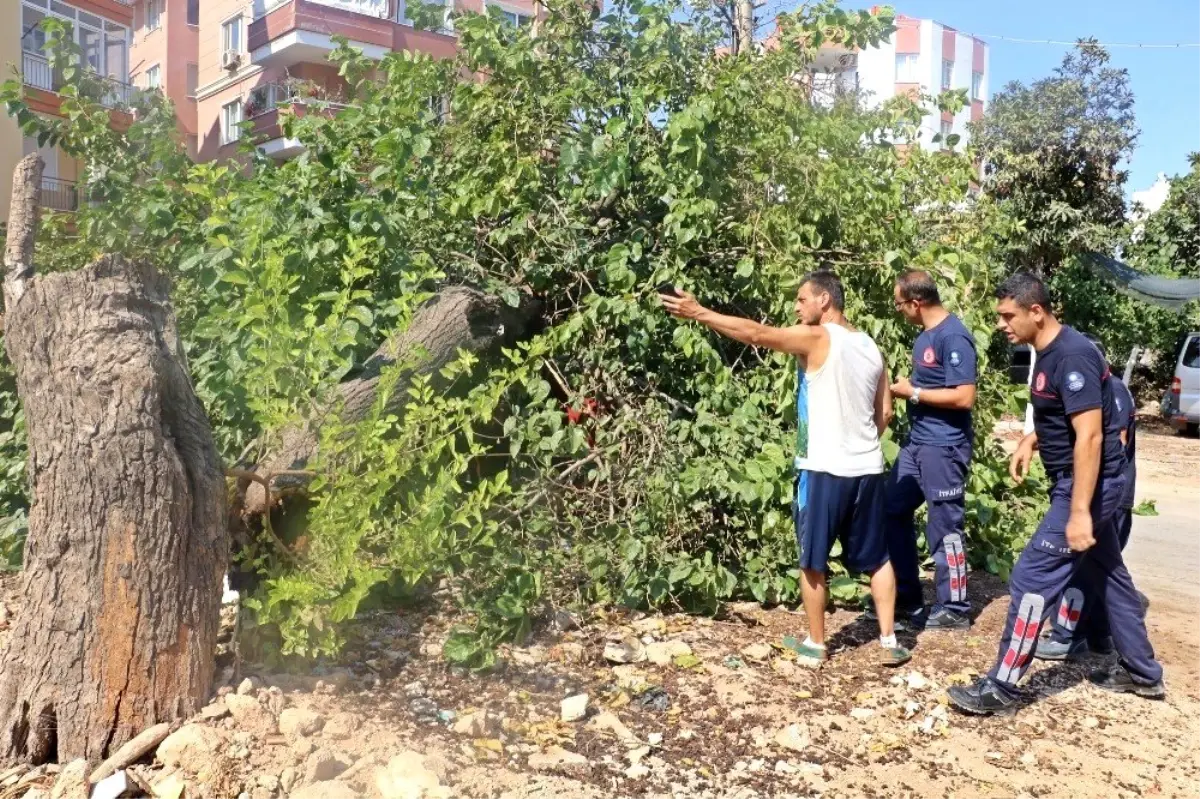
x,y
58,195
826,88
301,31
37,73
262,110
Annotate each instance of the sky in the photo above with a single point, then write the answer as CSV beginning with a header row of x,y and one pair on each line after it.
x,y
1166,83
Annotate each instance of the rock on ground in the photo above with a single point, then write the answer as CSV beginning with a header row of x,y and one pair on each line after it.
x,y
72,781
295,722
250,715
557,758
189,745
407,776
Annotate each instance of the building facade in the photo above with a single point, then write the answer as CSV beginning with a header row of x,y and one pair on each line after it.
x,y
921,57
103,30
225,62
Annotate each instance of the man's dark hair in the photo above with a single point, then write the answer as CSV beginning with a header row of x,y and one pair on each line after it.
x,y
918,285
1026,290
826,281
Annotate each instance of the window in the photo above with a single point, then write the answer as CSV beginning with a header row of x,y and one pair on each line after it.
x,y
193,79
153,14
976,85
116,53
33,38
906,68
231,35
947,74
231,117
104,44
947,127
193,12
515,19
1190,359
153,77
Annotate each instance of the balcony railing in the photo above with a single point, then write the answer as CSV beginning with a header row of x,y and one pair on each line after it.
x,y
270,96
58,195
37,72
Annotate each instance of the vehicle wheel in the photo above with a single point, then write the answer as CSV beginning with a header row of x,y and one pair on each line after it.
x,y
1193,430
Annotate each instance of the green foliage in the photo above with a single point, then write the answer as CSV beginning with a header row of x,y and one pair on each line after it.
x,y
1053,152
617,456
1147,507
1168,240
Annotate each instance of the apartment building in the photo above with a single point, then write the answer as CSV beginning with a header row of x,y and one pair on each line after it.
x,y
921,57
102,29
224,62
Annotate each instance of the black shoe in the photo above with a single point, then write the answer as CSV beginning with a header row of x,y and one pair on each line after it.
x,y
1104,646
946,619
984,698
1053,649
1120,680
907,619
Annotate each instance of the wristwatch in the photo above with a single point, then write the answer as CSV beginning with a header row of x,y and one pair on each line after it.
x,y
916,396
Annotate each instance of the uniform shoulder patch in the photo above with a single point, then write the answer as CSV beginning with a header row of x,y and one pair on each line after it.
x,y
955,358
1075,381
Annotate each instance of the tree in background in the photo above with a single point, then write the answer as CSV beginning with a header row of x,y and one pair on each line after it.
x,y
1167,241
1052,154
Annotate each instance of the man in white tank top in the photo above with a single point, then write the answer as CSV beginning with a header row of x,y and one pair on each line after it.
x,y
843,405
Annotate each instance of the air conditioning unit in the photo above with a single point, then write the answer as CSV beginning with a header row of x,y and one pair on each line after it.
x,y
231,59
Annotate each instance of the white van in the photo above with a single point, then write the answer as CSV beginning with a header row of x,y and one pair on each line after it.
x,y
1181,405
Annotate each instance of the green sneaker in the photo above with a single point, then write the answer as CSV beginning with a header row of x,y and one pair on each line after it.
x,y
808,656
893,656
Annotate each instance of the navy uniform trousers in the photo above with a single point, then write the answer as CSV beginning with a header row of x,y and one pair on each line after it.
x,y
935,476
1045,571
1077,618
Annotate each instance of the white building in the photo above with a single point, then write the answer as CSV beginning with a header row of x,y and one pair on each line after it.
x,y
922,57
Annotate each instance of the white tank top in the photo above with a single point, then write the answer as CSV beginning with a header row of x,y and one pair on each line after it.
x,y
835,406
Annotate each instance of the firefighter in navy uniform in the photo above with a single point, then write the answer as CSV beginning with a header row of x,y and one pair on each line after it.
x,y
1077,431
932,466
1075,632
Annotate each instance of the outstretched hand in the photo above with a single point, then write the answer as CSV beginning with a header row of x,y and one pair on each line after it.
x,y
682,304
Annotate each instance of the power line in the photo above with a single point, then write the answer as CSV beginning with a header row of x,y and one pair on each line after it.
x,y
1147,46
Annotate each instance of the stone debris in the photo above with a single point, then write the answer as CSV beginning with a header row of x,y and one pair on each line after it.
x,y
628,650
297,722
606,721
662,653
795,737
574,708
557,758
759,652
408,776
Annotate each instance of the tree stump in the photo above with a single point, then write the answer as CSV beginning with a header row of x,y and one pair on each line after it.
x,y
127,539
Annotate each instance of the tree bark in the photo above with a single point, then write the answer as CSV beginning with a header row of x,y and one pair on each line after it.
x,y
127,539
458,318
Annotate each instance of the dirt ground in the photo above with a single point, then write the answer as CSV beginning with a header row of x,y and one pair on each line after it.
x,y
724,710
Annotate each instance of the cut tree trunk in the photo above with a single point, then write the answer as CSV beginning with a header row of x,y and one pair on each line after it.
x,y
127,539
458,318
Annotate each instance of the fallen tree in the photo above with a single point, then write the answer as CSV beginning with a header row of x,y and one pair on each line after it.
x,y
457,319
127,539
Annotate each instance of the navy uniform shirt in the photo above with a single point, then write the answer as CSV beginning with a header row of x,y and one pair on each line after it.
x,y
1127,411
1071,377
943,357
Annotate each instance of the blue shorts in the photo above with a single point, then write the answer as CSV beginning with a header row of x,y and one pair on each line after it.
x,y
829,508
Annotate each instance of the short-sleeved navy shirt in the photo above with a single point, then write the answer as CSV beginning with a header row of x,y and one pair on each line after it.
x,y
943,357
1070,376
1127,411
